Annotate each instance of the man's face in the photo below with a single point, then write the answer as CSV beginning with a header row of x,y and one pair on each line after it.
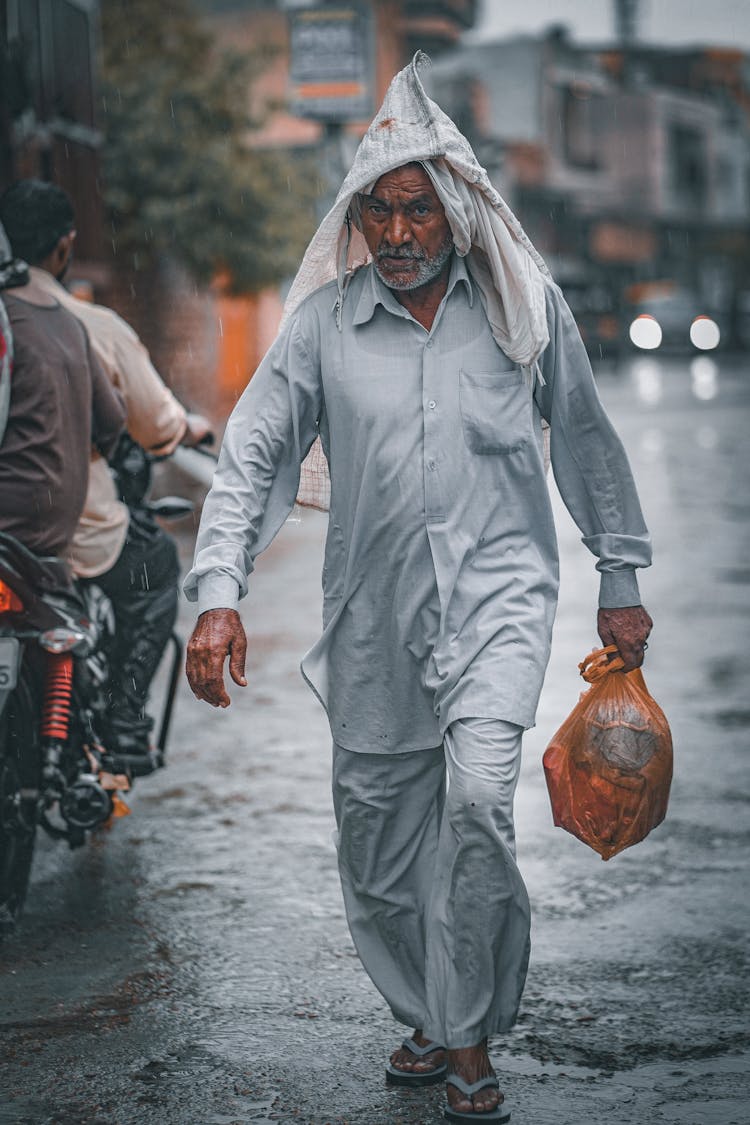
x,y
405,228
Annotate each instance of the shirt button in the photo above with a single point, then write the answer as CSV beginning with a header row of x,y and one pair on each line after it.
x,y
430,464
432,404
428,344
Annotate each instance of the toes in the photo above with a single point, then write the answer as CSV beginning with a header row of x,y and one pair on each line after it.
x,y
486,1100
428,1063
460,1102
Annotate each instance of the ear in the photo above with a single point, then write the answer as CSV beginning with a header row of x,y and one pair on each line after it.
x,y
63,250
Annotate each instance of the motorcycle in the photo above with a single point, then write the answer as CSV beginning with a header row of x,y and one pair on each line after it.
x,y
56,636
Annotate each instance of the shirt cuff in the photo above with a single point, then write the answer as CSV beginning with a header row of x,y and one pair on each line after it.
x,y
618,588
217,591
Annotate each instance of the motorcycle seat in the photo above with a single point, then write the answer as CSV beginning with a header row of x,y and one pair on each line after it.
x,y
48,573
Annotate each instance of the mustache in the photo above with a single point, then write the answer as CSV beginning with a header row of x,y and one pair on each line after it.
x,y
400,252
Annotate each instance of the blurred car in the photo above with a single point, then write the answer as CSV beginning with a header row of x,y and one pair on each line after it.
x,y
662,314
592,303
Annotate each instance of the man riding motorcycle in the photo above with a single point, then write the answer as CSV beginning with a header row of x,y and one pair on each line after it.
x,y
133,560
59,404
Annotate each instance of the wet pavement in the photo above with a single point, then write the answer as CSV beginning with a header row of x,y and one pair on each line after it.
x,y
193,966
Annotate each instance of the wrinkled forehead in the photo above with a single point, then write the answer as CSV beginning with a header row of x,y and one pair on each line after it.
x,y
411,179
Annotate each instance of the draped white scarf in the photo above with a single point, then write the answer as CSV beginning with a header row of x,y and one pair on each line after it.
x,y
510,274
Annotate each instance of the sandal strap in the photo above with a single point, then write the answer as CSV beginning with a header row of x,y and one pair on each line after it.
x,y
469,1089
420,1052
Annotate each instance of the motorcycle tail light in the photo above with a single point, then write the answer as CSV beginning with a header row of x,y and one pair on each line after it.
x,y
60,639
9,599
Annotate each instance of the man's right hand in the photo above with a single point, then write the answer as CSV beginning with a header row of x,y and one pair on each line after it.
x,y
197,430
218,634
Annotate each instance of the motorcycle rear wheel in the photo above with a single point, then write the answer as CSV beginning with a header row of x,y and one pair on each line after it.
x,y
20,769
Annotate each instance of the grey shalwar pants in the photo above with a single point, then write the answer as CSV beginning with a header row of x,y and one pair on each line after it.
x,y
436,906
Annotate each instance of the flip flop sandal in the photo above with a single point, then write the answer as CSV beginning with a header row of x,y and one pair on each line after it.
x,y
398,1077
499,1113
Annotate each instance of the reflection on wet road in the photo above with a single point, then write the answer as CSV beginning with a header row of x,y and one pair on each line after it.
x,y
193,965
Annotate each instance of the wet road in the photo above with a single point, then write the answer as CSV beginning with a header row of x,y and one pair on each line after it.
x,y
193,966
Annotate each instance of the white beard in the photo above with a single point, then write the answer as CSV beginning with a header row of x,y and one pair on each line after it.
x,y
427,269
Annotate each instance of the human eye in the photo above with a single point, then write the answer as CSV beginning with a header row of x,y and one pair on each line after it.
x,y
421,210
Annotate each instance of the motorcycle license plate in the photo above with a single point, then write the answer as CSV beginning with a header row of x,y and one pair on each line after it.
x,y
9,659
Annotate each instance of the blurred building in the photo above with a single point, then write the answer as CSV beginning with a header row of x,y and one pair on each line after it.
x,y
47,104
626,166
204,342
306,108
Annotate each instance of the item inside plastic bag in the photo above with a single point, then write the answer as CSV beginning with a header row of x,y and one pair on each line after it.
x,y
609,767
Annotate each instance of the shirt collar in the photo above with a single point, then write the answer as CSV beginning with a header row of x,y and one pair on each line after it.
x,y
46,282
375,292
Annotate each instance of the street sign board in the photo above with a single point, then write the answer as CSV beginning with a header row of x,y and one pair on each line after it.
x,y
331,70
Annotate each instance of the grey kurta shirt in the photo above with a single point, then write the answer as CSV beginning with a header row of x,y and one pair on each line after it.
x,y
441,572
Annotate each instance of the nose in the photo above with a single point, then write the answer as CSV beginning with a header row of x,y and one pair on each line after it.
x,y
398,231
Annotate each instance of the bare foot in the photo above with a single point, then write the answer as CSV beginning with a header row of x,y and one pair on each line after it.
x,y
471,1064
403,1059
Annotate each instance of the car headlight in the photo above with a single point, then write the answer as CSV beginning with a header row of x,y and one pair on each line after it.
x,y
704,334
645,332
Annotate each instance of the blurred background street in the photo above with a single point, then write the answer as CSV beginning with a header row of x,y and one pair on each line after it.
x,y
192,966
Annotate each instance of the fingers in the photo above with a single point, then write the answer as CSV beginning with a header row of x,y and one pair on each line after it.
x,y
628,628
205,673
237,657
217,634
632,655
605,633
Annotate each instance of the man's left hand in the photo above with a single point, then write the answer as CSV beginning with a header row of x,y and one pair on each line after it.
x,y
628,628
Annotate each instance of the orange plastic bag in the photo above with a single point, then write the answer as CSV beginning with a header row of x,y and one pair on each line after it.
x,y
609,767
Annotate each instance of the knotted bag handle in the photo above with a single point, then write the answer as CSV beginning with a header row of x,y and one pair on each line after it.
x,y
597,664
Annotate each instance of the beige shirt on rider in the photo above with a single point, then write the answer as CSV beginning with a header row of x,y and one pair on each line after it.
x,y
155,419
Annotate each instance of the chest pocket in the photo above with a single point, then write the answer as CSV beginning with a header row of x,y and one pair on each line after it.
x,y
495,411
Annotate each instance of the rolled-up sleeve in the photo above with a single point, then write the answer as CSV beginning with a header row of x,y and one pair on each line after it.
x,y
255,485
589,462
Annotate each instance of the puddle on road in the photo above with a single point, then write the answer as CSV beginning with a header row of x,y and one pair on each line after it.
x,y
100,1012
734,574
732,718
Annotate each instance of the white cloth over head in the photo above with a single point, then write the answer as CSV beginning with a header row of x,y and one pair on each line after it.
x,y
510,274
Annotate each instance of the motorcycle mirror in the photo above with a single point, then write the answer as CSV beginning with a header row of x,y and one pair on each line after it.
x,y
170,507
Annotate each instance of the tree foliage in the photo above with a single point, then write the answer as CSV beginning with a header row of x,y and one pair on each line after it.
x,y
180,173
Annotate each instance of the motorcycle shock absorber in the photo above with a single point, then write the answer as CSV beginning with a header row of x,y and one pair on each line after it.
x,y
55,726
83,803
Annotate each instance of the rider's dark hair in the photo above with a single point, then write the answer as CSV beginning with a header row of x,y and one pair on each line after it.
x,y
36,215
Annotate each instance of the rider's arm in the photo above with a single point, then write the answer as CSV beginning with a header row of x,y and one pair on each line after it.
x,y
107,408
155,419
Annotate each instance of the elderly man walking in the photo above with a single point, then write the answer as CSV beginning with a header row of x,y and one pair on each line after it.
x,y
429,372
